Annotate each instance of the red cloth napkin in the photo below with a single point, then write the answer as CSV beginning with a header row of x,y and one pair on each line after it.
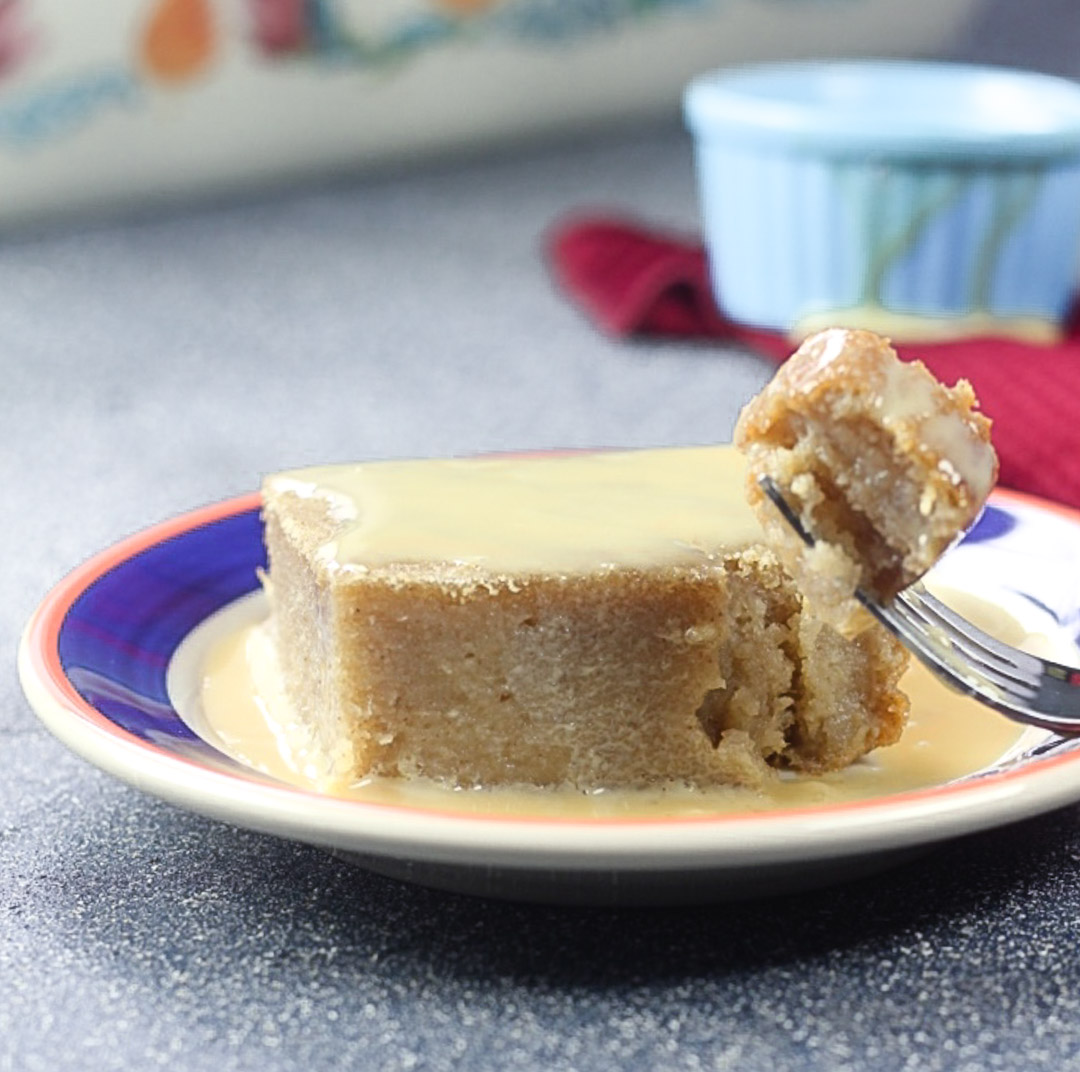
x,y
633,281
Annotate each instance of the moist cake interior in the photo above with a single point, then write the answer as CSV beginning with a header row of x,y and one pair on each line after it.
x,y
600,621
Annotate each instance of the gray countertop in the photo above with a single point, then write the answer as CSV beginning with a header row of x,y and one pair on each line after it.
x,y
156,364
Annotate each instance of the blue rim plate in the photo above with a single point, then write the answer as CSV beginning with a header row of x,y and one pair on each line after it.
x,y
95,663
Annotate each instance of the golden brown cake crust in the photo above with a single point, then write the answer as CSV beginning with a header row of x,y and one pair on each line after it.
x,y
884,464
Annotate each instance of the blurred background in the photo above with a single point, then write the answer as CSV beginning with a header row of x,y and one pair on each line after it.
x,y
243,235
137,101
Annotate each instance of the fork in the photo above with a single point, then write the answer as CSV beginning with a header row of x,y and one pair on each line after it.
x,y
1024,687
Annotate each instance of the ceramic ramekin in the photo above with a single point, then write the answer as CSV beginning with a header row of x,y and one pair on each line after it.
x,y
923,200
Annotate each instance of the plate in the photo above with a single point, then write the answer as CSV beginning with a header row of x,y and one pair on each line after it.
x,y
103,661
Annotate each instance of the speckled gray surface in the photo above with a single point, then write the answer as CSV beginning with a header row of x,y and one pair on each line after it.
x,y
154,365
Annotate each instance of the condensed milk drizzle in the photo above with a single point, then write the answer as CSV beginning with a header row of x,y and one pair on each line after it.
x,y
948,737
565,514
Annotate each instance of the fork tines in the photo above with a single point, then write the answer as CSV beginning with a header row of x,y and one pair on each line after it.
x,y
1022,686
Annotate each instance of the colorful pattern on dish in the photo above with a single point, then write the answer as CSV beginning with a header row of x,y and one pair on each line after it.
x,y
17,39
178,43
367,33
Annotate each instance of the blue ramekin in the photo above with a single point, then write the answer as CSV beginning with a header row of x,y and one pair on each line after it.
x,y
923,200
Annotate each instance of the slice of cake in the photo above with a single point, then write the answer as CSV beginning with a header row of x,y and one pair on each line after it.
x,y
594,621
884,465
